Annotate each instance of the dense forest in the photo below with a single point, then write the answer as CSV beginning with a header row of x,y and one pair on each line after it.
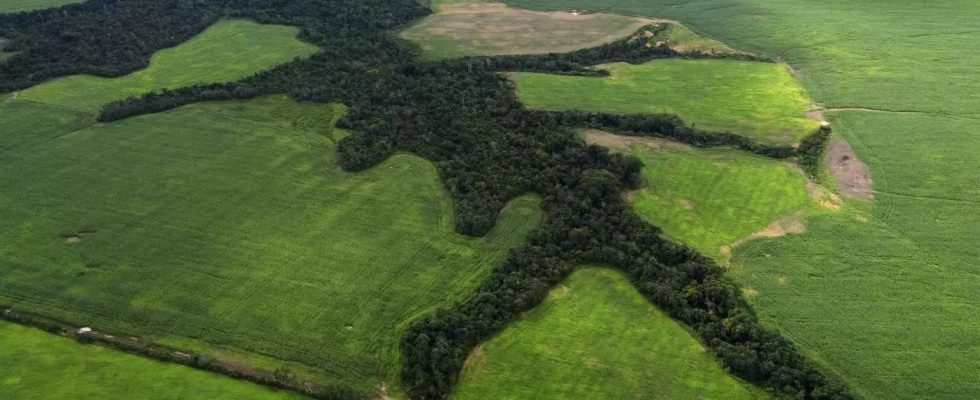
x,y
467,119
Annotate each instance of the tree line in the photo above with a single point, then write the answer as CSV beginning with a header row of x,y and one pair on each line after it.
x,y
487,147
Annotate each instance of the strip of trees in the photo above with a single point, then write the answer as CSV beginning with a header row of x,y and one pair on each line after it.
x,y
487,147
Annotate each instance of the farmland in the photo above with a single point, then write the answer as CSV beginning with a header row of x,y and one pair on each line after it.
x,y
227,51
477,28
240,205
12,6
38,365
711,198
883,293
760,100
595,337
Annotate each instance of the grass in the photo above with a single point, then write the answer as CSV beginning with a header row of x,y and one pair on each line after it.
x,y
711,199
683,39
884,294
760,100
596,337
465,28
229,227
39,365
12,6
227,51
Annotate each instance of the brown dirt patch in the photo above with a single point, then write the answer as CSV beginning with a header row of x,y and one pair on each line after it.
x,y
750,292
630,196
474,357
815,112
614,141
687,203
785,225
73,239
823,197
852,176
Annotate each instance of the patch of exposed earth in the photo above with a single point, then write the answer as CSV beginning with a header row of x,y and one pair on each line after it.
x,y
852,176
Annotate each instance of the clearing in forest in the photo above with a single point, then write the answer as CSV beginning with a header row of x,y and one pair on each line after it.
x,y
709,198
477,28
883,294
38,366
756,99
228,228
596,337
227,51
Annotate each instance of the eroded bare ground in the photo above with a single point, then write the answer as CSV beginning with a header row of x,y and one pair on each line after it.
x,y
852,176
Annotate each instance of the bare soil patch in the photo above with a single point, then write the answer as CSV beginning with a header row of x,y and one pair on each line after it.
x,y
785,225
614,141
852,176
474,356
815,112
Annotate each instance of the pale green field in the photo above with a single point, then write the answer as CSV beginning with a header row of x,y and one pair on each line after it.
x,y
883,294
710,199
759,100
596,337
12,6
469,28
229,226
38,366
227,51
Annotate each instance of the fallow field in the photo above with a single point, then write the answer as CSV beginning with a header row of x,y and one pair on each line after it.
x,y
884,293
474,28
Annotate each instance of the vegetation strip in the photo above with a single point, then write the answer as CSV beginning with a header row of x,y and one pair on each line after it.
x,y
136,346
469,122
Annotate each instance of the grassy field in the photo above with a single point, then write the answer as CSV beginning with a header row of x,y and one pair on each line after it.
x,y
38,365
760,100
227,51
710,199
884,294
12,6
596,337
228,227
466,28
682,39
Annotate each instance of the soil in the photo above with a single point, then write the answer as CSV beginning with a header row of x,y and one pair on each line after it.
x,y
785,225
474,356
815,112
614,141
853,176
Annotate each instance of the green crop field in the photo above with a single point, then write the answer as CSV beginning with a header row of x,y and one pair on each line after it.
x,y
467,28
229,227
884,294
596,337
12,6
760,100
40,366
710,199
227,51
